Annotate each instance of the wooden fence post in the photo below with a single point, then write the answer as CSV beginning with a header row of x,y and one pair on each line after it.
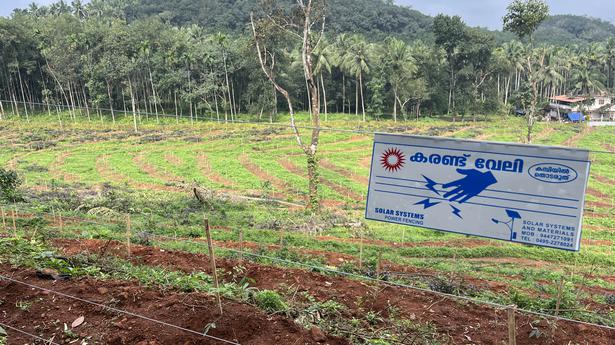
x,y
240,245
3,220
378,265
361,250
560,286
212,258
13,211
128,234
512,325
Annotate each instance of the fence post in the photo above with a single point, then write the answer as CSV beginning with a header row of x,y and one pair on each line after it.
x,y
3,220
559,294
378,265
241,245
361,250
512,325
13,211
212,259
128,234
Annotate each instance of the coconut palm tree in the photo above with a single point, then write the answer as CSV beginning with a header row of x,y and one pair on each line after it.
x,y
340,51
357,63
400,66
324,58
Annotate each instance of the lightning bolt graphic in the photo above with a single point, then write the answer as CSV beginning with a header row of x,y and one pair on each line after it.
x,y
431,184
427,204
456,211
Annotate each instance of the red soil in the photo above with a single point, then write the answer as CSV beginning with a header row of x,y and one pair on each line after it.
x,y
106,172
349,174
460,321
202,162
340,189
284,189
141,163
48,312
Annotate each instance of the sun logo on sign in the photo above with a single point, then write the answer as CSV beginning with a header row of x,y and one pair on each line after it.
x,y
392,159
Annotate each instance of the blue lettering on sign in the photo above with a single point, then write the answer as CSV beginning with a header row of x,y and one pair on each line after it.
x,y
553,173
515,166
448,160
500,165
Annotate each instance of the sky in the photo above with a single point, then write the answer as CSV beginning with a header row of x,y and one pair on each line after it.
x,y
485,13
489,13
7,6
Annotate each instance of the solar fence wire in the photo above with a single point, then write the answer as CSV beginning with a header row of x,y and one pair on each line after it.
x,y
379,281
236,121
396,284
118,310
46,341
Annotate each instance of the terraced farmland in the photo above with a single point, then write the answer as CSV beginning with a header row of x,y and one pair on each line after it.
x,y
81,182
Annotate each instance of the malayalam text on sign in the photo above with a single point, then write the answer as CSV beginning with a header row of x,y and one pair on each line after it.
x,y
519,193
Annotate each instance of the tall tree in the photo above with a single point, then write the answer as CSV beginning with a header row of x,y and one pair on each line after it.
x,y
299,23
523,18
450,34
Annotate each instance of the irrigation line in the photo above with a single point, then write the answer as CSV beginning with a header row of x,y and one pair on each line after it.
x,y
47,341
118,310
267,124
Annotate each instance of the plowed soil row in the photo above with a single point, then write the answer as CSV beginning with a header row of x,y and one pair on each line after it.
x,y
202,161
106,172
48,312
349,174
141,162
284,189
340,189
55,168
460,321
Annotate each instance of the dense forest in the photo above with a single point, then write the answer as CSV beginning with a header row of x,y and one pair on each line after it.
x,y
196,58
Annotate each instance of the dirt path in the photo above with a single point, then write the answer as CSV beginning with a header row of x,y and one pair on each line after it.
x,y
47,312
106,172
55,168
173,159
284,189
141,162
572,142
340,189
202,161
488,325
360,179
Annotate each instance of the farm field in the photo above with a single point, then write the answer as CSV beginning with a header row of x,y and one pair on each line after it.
x,y
113,213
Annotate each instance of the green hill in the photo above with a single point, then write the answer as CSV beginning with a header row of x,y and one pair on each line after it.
x,y
370,17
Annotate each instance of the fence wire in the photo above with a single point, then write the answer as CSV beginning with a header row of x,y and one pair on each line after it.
x,y
368,131
376,280
46,341
117,310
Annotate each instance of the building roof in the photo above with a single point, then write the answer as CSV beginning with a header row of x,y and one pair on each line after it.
x,y
567,99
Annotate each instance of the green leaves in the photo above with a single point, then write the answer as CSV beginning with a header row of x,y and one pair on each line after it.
x,y
524,17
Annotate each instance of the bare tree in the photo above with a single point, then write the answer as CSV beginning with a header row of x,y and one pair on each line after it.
x,y
299,24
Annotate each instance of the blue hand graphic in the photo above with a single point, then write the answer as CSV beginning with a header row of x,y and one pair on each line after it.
x,y
469,186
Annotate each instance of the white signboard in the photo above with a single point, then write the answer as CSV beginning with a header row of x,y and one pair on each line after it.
x,y
519,193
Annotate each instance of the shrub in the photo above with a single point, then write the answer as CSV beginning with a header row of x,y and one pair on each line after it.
x,y
9,182
270,301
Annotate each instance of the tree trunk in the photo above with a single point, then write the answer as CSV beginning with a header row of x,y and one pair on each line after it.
x,y
395,104
134,107
23,96
344,94
356,99
324,95
110,101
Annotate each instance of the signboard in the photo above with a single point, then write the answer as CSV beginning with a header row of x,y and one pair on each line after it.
x,y
513,192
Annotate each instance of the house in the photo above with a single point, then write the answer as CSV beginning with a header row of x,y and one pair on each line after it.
x,y
597,107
